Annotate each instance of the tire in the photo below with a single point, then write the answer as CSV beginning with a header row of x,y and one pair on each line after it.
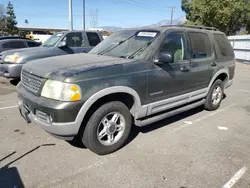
x,y
104,127
210,103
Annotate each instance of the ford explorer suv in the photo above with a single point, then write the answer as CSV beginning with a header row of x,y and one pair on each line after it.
x,y
134,77
62,43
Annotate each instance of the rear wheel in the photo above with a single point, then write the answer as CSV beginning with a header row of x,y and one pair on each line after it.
x,y
108,128
215,96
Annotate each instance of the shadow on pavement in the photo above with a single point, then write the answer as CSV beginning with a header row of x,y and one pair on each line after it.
x,y
10,176
15,82
151,127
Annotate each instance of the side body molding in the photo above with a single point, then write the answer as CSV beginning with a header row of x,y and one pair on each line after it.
x,y
139,111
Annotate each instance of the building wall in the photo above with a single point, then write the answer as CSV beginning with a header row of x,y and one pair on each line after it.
x,y
241,45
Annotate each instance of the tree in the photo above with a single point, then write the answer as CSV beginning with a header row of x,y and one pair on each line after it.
x,y
11,20
2,19
229,16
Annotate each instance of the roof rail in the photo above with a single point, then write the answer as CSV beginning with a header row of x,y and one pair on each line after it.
x,y
193,26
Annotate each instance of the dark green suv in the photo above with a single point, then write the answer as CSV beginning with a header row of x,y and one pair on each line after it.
x,y
135,76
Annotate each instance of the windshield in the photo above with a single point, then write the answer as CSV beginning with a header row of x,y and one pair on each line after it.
x,y
124,43
51,41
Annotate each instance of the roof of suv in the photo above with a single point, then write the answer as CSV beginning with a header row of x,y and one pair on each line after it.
x,y
17,39
12,37
179,27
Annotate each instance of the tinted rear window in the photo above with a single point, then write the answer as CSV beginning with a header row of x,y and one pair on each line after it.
x,y
200,45
93,39
33,44
224,45
5,45
17,44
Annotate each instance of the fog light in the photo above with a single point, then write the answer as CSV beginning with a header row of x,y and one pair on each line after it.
x,y
6,74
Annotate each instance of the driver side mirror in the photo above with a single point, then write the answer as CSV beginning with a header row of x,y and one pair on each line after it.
x,y
166,57
62,44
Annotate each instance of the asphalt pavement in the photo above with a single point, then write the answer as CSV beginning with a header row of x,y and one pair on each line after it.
x,y
196,149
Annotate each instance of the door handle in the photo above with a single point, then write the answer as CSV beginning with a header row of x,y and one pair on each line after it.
x,y
83,50
213,64
185,68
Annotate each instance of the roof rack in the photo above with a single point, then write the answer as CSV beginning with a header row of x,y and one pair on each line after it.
x,y
193,26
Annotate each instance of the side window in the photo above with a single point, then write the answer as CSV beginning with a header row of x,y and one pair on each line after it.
x,y
93,38
174,43
5,45
224,45
75,39
200,45
17,44
33,44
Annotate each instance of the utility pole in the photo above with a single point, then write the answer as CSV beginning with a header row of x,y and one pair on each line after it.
x,y
83,12
70,16
94,21
172,14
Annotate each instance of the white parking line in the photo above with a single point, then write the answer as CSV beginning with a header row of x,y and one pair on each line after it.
x,y
216,112
204,117
235,178
7,101
8,107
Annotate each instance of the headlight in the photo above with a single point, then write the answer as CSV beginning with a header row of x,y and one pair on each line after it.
x,y
11,58
61,91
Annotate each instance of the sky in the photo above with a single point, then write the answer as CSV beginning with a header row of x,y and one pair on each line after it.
x,y
119,13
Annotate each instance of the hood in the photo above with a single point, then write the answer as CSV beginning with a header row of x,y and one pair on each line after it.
x,y
61,67
24,51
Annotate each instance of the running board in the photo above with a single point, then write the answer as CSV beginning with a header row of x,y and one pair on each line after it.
x,y
141,123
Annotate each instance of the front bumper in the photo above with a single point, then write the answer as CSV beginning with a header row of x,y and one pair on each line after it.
x,y
59,116
10,70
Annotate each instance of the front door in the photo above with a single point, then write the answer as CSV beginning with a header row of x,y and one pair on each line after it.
x,y
170,80
75,43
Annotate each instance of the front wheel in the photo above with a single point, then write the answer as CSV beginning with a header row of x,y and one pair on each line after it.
x,y
108,128
215,96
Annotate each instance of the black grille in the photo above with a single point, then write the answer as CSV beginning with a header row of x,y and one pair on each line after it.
x,y
31,82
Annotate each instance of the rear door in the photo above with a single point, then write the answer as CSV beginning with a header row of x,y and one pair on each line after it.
x,y
75,43
202,60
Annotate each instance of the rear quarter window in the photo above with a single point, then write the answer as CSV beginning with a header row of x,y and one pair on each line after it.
x,y
5,45
224,46
93,38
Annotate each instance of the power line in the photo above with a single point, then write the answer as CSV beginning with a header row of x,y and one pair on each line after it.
x,y
140,5
155,6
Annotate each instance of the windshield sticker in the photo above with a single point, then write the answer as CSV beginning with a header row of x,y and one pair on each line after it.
x,y
59,34
146,34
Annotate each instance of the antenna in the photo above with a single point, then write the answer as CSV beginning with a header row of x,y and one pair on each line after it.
x,y
172,14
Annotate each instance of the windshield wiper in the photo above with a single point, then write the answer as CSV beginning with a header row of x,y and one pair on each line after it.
x,y
108,49
141,49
